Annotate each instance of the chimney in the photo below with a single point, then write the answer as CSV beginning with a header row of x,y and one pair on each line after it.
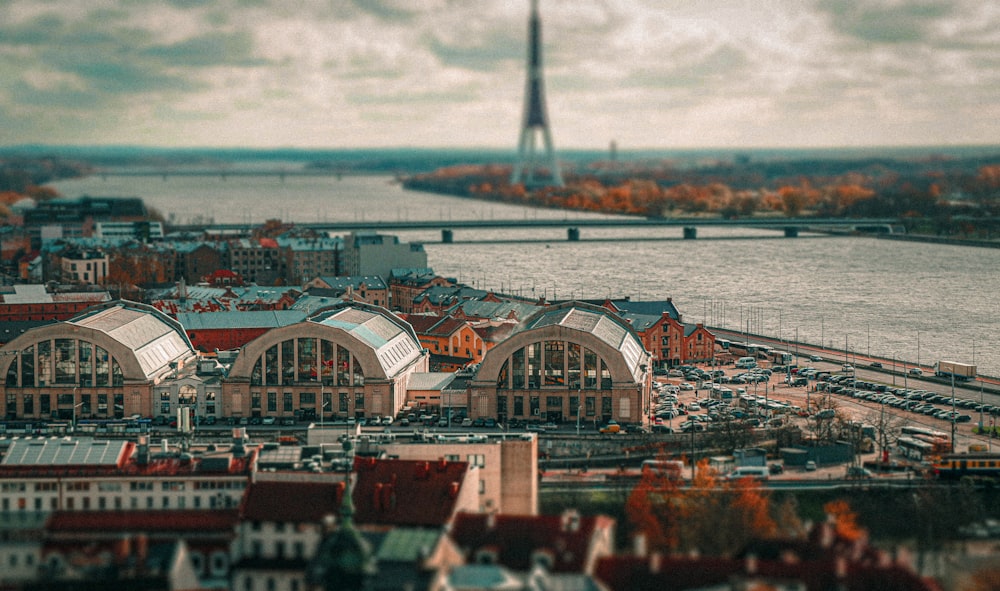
x,y
570,520
142,455
141,550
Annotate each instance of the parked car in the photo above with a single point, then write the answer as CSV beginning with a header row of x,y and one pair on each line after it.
x,y
268,421
810,466
858,473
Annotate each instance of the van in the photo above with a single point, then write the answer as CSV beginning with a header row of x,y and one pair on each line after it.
x,y
611,427
746,362
755,472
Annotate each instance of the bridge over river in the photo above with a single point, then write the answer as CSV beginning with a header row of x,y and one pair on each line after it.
x,y
789,226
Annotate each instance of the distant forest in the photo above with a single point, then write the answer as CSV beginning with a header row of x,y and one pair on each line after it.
x,y
933,195
948,191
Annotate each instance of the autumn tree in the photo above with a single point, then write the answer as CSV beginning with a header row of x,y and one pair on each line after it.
x,y
713,516
845,520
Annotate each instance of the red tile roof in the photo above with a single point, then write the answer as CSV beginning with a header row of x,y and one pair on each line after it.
x,y
566,538
292,502
179,520
407,492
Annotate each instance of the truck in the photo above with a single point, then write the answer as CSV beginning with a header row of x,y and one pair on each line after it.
x,y
960,371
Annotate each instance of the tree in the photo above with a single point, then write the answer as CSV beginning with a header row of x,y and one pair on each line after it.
x,y
713,516
845,520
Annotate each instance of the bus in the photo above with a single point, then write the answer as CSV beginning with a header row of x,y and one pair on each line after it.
x,y
672,469
914,449
925,431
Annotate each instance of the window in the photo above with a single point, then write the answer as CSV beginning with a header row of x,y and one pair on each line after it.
x,y
359,400
272,401
286,401
255,400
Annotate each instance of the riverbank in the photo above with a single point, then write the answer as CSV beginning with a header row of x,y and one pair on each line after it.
x,y
940,240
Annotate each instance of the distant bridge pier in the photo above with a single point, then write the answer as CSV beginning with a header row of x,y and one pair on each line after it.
x,y
690,233
447,236
573,234
791,232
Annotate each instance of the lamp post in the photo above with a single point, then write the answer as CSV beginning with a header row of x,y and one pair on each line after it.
x,y
72,427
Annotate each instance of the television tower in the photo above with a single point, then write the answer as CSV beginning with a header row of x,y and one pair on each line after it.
x,y
535,120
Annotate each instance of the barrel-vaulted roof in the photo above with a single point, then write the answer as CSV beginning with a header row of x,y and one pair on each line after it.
x,y
381,342
394,342
595,321
146,343
155,339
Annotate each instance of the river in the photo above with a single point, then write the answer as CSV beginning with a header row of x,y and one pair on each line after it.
x,y
915,301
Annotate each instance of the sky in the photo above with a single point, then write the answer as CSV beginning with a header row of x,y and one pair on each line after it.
x,y
646,74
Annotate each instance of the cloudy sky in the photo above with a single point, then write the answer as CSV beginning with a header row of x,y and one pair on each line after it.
x,y
450,73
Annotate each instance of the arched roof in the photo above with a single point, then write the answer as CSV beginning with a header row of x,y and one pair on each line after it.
x,y
143,340
382,342
585,323
394,342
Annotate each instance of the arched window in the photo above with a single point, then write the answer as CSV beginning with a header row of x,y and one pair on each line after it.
x,y
65,361
306,366
271,366
102,367
257,373
12,372
502,383
359,374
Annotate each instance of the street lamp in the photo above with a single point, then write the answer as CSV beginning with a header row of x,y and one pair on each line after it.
x,y
72,428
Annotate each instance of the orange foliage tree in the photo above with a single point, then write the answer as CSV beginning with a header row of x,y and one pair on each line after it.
x,y
845,520
713,516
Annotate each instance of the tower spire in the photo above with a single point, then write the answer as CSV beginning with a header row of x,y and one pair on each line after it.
x,y
535,120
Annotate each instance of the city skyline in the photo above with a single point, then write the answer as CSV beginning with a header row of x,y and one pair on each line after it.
x,y
402,73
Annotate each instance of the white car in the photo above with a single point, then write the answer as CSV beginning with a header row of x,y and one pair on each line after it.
x,y
687,386
694,406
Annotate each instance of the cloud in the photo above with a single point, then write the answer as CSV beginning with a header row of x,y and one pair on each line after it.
x,y
363,72
881,21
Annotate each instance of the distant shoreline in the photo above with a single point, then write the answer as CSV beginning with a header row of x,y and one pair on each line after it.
x,y
939,240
